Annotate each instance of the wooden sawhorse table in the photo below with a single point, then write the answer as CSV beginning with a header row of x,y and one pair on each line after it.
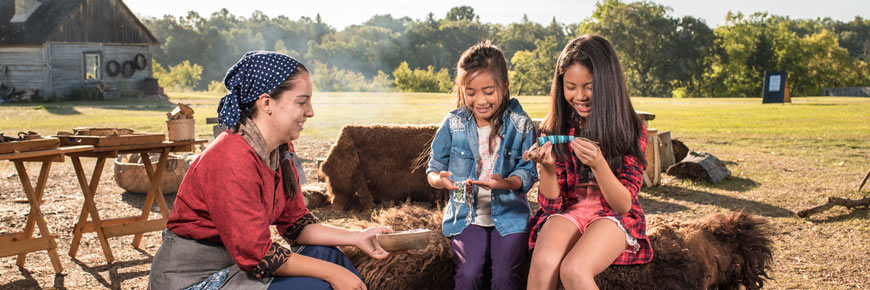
x,y
123,226
22,243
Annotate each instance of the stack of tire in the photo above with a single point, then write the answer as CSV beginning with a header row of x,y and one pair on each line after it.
x,y
128,68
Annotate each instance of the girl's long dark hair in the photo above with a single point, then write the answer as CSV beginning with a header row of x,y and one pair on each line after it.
x,y
484,56
291,183
612,121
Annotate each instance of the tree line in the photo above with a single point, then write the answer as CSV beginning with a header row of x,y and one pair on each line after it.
x,y
662,55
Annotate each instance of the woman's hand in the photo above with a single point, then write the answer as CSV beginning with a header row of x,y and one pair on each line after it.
x,y
368,242
588,153
341,279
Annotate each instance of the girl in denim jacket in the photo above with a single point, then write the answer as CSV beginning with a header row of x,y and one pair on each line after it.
x,y
477,155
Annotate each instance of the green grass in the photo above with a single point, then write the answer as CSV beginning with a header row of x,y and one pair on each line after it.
x,y
806,119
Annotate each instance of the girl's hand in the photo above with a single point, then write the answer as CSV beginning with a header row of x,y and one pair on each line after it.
x,y
495,182
368,243
445,181
588,153
343,279
543,155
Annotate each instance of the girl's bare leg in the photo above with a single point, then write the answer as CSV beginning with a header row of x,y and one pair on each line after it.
x,y
557,236
599,246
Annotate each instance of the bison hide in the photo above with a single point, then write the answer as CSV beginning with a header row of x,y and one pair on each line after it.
x,y
717,252
374,164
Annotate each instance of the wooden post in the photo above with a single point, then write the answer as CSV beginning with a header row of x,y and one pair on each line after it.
x,y
653,167
666,150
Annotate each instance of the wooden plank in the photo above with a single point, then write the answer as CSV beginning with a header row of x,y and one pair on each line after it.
x,y
131,139
11,237
149,148
52,158
90,209
40,153
666,150
646,116
29,145
653,160
104,141
25,246
134,228
89,226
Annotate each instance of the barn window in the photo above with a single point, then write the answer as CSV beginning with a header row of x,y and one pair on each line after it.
x,y
92,66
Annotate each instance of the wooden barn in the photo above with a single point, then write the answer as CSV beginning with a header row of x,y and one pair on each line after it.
x,y
63,46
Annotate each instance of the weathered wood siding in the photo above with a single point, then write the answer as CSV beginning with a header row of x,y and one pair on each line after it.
x,y
67,61
67,65
103,21
25,67
121,54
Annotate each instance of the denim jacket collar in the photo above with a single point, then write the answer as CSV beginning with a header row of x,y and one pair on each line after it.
x,y
513,107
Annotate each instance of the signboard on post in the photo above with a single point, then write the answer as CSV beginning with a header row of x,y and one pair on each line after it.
x,y
775,88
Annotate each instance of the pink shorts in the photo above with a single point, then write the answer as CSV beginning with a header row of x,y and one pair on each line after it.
x,y
584,212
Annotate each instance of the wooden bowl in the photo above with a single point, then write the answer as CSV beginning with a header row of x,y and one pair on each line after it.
x,y
405,240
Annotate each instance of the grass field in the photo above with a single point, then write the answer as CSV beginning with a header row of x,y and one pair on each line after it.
x,y
783,158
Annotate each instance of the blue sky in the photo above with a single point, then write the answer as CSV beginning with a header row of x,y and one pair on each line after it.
x,y
340,14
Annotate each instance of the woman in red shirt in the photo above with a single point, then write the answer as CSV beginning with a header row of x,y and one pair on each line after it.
x,y
218,234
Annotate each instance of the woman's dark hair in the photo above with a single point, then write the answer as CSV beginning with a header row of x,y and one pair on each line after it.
x,y
612,121
291,184
484,56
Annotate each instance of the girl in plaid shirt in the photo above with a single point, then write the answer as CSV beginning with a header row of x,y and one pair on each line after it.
x,y
590,217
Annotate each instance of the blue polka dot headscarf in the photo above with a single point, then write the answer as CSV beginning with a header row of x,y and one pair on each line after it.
x,y
257,73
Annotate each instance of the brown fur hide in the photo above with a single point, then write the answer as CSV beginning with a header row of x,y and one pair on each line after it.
x,y
374,164
718,252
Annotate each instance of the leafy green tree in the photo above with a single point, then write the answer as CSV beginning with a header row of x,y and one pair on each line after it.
x,y
461,13
759,43
181,77
532,71
641,33
364,49
419,80
326,78
520,36
217,87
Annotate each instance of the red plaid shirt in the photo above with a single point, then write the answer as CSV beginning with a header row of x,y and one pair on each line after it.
x,y
631,175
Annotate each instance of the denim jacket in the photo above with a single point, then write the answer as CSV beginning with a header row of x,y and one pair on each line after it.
x,y
455,149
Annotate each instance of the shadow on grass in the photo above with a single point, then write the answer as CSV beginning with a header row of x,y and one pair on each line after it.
x,y
734,183
861,213
723,201
66,111
651,206
68,107
137,200
115,278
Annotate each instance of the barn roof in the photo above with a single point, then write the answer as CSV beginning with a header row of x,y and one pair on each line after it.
x,y
42,24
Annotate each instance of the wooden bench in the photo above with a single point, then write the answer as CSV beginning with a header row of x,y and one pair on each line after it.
x,y
21,243
130,225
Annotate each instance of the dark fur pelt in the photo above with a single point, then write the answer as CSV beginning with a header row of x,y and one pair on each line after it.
x,y
374,164
718,252
429,268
